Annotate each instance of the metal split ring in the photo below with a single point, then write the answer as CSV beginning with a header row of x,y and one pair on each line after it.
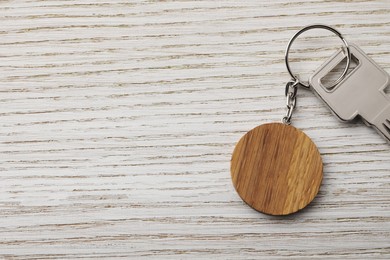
x,y
318,26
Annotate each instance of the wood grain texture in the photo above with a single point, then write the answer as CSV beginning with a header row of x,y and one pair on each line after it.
x,y
276,169
118,120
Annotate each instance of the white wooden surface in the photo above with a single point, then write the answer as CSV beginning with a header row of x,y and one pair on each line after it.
x,y
118,119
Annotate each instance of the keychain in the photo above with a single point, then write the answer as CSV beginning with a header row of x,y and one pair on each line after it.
x,y
276,168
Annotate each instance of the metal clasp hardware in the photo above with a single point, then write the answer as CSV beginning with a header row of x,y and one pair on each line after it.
x,y
291,101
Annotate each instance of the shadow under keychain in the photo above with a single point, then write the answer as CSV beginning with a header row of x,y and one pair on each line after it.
x,y
276,168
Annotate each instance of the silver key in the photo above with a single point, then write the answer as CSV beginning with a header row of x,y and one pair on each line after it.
x,y
360,93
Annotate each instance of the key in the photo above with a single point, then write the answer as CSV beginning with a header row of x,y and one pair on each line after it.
x,y
360,93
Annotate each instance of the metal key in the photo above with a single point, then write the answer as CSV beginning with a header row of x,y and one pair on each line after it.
x,y
360,93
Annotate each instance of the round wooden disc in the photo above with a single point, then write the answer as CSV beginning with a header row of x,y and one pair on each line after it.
x,y
276,169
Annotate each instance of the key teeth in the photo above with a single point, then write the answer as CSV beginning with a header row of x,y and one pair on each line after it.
x,y
386,125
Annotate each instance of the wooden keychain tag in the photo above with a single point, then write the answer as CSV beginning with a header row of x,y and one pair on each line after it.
x,y
276,169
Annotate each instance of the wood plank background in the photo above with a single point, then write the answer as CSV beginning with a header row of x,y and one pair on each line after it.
x,y
118,120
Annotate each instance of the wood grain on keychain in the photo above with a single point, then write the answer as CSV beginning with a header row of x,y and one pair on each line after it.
x,y
276,169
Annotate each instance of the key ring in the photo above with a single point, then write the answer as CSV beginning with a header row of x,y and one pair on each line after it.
x,y
318,26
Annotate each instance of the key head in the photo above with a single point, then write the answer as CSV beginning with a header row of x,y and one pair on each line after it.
x,y
361,92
